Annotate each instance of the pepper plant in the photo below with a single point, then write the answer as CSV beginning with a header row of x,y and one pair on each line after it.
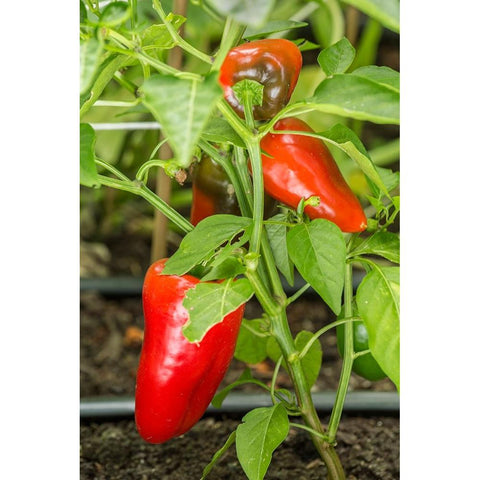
x,y
233,106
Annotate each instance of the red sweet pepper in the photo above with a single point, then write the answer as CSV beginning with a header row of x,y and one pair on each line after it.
x,y
299,166
176,379
275,63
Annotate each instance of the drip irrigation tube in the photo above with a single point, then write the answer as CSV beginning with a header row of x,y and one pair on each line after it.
x,y
100,408
132,286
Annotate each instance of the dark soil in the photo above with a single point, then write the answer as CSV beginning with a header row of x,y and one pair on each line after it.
x,y
368,449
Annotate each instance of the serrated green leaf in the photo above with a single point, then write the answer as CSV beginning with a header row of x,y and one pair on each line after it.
x,y
251,343
88,169
378,301
253,13
337,58
208,304
277,237
91,51
263,430
384,244
318,251
312,361
357,97
182,107
275,26
200,244
219,130
387,12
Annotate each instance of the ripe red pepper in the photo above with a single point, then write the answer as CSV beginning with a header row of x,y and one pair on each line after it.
x,y
275,63
299,167
176,379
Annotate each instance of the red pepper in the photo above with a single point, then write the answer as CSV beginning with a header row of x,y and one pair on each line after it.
x,y
212,191
275,63
176,379
299,167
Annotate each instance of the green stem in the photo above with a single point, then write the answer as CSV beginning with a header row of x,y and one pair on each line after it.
x,y
308,429
274,378
232,175
232,34
320,332
253,147
139,189
178,39
298,293
348,353
281,332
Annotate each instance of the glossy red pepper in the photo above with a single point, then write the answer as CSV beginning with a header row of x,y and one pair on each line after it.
x,y
176,379
299,166
275,63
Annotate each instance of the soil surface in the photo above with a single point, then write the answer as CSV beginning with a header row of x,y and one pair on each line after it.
x,y
368,449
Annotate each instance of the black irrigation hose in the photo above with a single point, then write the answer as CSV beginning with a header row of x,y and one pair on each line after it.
x,y
132,286
103,408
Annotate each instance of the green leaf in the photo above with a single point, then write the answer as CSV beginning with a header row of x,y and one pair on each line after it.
x,y
157,37
305,45
230,267
277,237
312,361
253,13
83,12
318,251
105,73
200,244
219,454
384,244
252,342
182,107
358,96
91,51
263,430
115,13
208,304
337,58
347,140
390,180
387,12
88,169
385,76
378,301
218,130
275,26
